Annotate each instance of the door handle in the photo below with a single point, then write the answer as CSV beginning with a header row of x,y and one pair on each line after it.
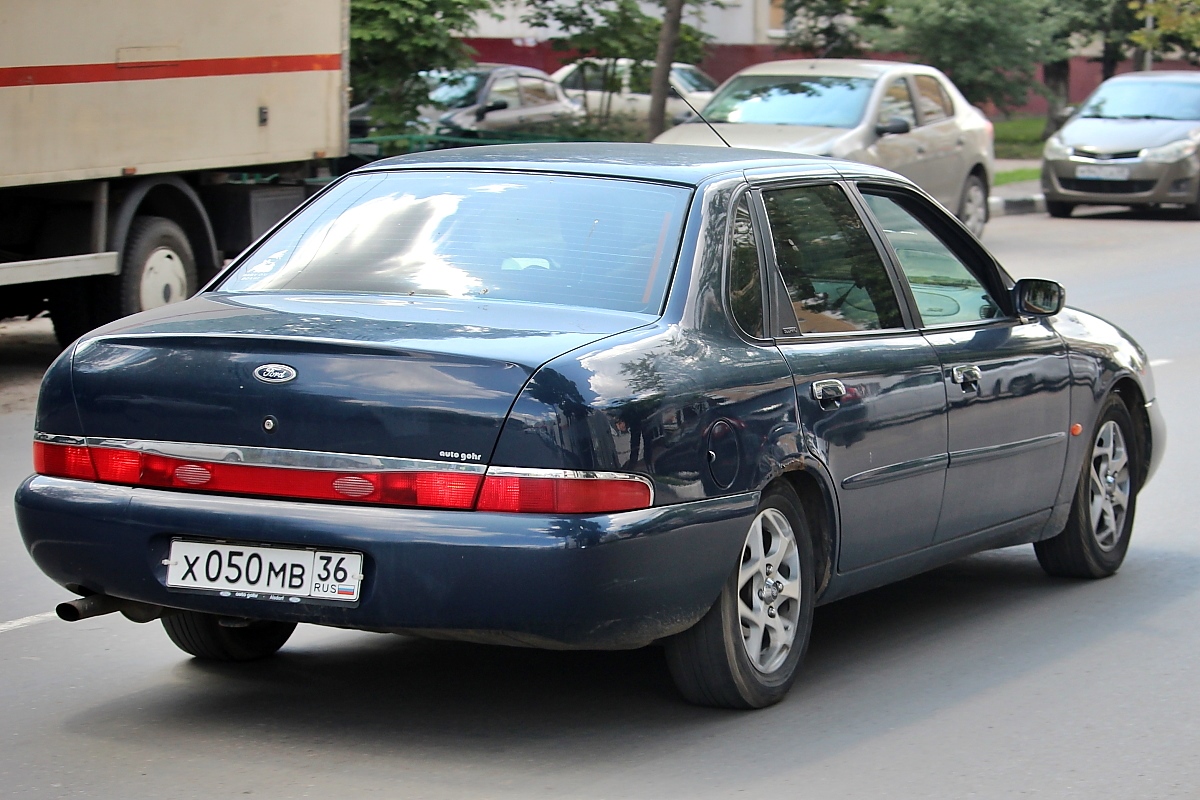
x,y
828,393
967,375
920,150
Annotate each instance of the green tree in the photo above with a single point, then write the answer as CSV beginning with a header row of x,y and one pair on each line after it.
x,y
393,41
989,55
1176,22
832,28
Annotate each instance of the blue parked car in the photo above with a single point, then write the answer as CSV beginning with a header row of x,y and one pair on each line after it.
x,y
588,396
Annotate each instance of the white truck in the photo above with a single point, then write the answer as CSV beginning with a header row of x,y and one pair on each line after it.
x,y
142,142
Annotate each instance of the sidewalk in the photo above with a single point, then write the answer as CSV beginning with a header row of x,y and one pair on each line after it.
x,y
1022,197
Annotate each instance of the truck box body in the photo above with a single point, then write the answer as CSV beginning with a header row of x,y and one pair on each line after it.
x,y
103,88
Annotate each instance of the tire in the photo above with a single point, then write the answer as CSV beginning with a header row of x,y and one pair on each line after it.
x,y
157,267
1059,209
711,661
973,205
203,636
1094,542
1192,210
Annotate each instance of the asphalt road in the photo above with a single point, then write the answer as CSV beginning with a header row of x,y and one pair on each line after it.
x,y
981,679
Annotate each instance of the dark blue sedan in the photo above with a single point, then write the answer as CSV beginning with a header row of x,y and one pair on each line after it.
x,y
587,396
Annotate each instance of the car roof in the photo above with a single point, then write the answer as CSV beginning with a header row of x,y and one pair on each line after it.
x,y
841,67
682,164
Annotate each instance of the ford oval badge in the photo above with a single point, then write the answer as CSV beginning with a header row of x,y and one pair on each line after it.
x,y
274,373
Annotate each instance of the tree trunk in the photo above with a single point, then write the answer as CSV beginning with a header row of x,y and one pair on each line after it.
x,y
1057,77
660,80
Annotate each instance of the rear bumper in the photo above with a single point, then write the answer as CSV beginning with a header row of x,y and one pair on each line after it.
x,y
611,581
1148,183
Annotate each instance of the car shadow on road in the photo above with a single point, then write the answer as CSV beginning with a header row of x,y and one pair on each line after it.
x,y
881,660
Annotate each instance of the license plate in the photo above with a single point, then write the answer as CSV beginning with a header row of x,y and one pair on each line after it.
x,y
270,573
1097,172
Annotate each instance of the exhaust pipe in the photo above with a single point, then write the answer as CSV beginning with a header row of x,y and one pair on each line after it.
x,y
96,605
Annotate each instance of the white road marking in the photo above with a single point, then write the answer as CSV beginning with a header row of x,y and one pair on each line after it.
x,y
23,622
1158,362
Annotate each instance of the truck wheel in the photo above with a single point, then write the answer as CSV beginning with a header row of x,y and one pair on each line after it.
x,y
203,636
745,651
157,267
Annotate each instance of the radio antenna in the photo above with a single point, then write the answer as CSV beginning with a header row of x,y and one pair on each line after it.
x,y
701,116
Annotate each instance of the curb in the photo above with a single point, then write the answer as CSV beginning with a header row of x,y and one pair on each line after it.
x,y
1008,206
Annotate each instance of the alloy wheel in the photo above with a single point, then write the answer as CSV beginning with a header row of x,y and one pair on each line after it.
x,y
1109,486
769,587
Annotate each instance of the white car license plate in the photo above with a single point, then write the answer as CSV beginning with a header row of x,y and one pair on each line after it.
x,y
266,572
1098,172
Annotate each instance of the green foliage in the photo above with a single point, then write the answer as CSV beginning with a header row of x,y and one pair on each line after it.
x,y
392,41
832,28
989,55
1175,22
1019,137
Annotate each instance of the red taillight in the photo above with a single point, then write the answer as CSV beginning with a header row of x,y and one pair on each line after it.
x,y
421,489
533,495
63,461
530,494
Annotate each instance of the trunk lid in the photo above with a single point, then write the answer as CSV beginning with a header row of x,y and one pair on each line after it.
x,y
419,378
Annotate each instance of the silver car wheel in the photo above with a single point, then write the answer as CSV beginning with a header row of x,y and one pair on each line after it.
x,y
1109,486
974,206
769,587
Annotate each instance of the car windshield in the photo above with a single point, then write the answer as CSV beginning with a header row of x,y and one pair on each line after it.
x,y
562,240
454,88
821,100
1144,99
693,79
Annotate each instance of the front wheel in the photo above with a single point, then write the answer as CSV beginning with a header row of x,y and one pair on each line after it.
x,y
744,653
1059,209
213,638
1094,542
973,205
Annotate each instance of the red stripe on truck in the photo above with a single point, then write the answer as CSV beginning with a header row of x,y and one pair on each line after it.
x,y
52,74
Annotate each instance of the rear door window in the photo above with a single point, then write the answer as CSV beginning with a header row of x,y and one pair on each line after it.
x,y
537,92
932,98
835,277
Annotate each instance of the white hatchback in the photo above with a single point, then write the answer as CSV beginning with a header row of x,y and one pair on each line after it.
x,y
907,118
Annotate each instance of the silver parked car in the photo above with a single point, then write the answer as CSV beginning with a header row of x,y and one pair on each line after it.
x,y
1132,143
906,117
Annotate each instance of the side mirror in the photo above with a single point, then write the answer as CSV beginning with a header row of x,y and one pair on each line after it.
x,y
893,125
495,105
1035,297
1064,114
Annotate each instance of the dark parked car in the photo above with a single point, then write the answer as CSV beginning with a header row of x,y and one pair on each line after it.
x,y
589,396
1133,142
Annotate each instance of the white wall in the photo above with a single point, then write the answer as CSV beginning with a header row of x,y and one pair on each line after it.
x,y
740,22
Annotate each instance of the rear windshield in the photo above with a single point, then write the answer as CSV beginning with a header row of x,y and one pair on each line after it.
x,y
1144,99
562,240
821,100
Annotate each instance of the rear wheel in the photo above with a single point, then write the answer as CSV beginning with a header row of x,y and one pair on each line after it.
x,y
1094,542
973,205
157,267
1059,209
204,636
744,653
